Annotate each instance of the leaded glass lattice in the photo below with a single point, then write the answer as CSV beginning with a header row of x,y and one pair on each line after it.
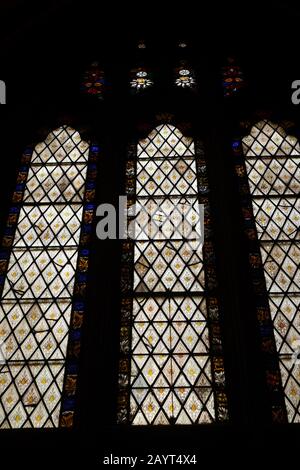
x,y
272,164
43,267
171,366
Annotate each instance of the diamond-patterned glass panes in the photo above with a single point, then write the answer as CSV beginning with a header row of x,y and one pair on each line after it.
x,y
161,177
272,163
47,225
168,370
165,141
37,294
161,266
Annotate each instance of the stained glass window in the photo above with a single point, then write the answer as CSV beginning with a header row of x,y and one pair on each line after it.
x,y
2,92
272,161
141,44
171,366
185,77
94,83
140,79
232,78
182,44
43,269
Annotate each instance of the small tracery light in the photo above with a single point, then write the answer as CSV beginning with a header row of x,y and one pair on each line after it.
x,y
141,80
94,82
185,79
233,78
142,74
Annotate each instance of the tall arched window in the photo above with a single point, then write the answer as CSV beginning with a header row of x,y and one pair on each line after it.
x,y
43,267
171,367
272,216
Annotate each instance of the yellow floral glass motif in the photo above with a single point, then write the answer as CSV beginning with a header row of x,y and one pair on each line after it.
x,y
36,302
171,378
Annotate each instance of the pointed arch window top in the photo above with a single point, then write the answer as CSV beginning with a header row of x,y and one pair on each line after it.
x,y
165,141
63,145
269,139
